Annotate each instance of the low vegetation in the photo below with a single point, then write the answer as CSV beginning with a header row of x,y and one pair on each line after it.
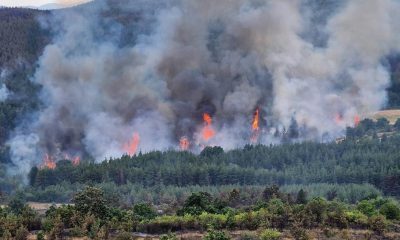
x,y
274,214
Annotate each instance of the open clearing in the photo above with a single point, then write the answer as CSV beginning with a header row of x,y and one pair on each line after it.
x,y
391,115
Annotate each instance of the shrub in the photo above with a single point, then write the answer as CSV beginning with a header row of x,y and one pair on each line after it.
x,y
6,235
16,205
216,235
22,233
329,233
367,207
169,236
337,218
263,218
144,211
124,236
247,220
390,210
248,236
299,233
40,236
377,224
315,210
77,232
356,218
216,221
270,234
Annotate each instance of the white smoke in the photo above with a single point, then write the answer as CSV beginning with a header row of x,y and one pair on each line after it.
x,y
226,58
4,92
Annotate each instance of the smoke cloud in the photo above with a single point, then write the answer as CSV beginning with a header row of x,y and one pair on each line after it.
x,y
158,66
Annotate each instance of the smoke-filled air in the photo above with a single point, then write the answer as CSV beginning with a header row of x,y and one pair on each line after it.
x,y
188,74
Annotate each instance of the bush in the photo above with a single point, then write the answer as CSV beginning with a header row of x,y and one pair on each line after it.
x,y
367,207
6,235
216,221
248,236
377,224
22,233
270,234
16,205
40,236
216,235
247,220
356,218
337,218
390,210
124,236
144,211
169,236
299,233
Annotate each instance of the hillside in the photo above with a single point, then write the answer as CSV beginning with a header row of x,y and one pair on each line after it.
x,y
21,37
203,119
364,157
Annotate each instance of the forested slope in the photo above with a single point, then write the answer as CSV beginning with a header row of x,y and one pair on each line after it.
x,y
375,161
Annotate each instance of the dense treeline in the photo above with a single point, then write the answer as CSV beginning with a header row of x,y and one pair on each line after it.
x,y
355,160
170,195
273,215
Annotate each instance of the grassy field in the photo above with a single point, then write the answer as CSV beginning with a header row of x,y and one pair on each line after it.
x,y
390,115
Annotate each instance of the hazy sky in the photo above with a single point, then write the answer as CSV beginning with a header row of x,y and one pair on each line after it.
x,y
38,2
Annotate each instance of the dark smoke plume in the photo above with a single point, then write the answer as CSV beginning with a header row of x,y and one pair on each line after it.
x,y
153,67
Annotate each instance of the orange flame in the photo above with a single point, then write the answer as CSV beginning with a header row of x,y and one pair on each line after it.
x,y
256,120
208,131
184,143
48,162
255,126
75,160
132,145
356,120
338,118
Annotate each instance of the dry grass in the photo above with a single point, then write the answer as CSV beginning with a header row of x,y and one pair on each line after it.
x,y
41,208
391,115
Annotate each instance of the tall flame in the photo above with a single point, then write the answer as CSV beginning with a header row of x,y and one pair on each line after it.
x,y
208,131
131,147
356,120
48,162
255,126
256,120
184,143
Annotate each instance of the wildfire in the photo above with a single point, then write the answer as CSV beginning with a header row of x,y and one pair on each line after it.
x,y
256,120
356,120
255,126
338,118
75,160
184,143
208,131
131,147
48,162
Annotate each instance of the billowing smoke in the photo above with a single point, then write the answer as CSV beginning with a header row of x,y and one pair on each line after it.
x,y
153,68
4,92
